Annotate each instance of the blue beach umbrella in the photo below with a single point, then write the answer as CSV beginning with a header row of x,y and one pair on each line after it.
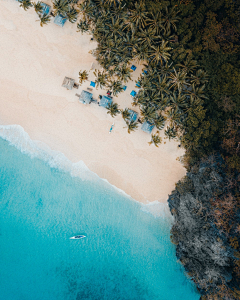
x,y
133,67
92,83
133,93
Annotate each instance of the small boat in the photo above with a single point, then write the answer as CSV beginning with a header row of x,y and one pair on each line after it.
x,y
77,237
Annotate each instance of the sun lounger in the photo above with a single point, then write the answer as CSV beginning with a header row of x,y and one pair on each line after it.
x,y
133,67
92,83
85,97
45,9
147,127
138,84
133,93
105,101
133,115
125,87
59,20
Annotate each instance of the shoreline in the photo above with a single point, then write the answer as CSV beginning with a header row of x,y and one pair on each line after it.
x,y
19,139
34,63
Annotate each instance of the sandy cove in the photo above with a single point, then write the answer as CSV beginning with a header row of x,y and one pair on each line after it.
x,y
34,61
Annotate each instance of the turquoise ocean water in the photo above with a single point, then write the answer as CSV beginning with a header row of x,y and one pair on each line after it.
x,y
44,200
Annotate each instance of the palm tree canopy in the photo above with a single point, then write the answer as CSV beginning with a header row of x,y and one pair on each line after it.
x,y
171,132
72,14
38,7
45,19
178,79
132,125
170,18
138,15
101,78
160,53
60,7
113,109
125,114
155,139
25,4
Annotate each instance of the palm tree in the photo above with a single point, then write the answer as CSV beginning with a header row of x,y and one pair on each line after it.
x,y
149,113
162,85
116,87
83,26
115,28
25,4
142,99
201,77
88,9
142,52
114,2
155,22
72,15
146,35
164,69
189,65
38,8
170,19
132,125
113,109
160,53
155,139
177,101
101,78
129,25
44,19
138,15
178,79
159,122
124,73
170,132
82,75
125,114
60,7
196,94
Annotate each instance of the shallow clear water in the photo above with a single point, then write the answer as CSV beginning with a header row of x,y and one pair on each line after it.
x,y
127,253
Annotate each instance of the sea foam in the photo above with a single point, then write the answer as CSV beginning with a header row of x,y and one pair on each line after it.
x,y
19,138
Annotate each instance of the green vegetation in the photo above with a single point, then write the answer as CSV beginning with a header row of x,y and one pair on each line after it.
x,y
125,114
113,109
25,4
83,76
44,19
191,84
38,8
147,32
155,139
190,89
131,125
67,9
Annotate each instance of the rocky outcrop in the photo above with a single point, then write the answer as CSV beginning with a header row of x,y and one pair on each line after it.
x,y
202,248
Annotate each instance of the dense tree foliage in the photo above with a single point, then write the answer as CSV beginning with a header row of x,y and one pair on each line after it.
x,y
190,83
190,88
171,90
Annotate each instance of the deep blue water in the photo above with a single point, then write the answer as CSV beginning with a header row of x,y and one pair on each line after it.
x,y
126,255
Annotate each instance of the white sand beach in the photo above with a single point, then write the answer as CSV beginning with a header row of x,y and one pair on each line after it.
x,y
34,61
